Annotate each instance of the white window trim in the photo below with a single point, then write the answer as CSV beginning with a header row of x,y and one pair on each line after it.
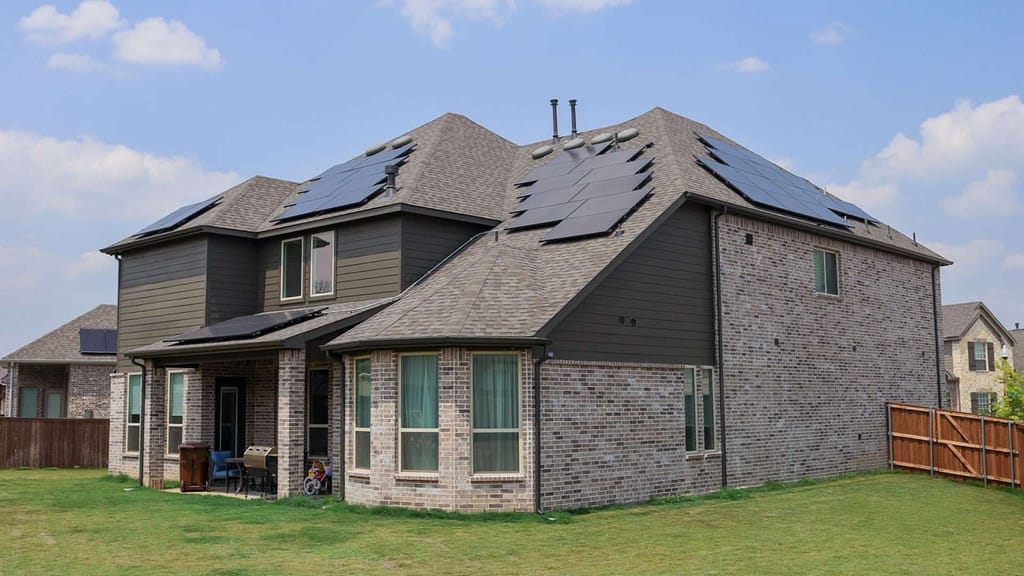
x,y
696,413
302,275
355,410
312,264
167,417
418,473
326,425
128,410
825,269
519,406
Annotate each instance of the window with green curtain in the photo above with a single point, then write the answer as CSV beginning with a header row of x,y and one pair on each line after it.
x,y
690,409
134,412
175,410
363,411
707,386
418,398
495,413
28,402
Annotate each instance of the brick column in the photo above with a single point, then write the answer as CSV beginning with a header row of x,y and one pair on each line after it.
x,y
12,390
291,421
336,427
155,415
198,409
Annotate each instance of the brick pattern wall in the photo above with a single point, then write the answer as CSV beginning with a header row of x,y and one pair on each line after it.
x,y
44,378
154,409
291,431
454,487
89,391
807,375
615,432
118,461
976,381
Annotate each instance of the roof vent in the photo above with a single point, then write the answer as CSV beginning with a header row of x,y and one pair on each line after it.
x,y
375,148
572,114
573,144
602,137
542,151
554,120
627,134
390,171
400,141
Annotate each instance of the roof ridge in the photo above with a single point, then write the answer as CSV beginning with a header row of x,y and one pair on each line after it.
x,y
479,288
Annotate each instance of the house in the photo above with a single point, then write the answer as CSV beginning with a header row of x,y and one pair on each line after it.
x,y
65,373
973,341
1018,350
464,323
3,391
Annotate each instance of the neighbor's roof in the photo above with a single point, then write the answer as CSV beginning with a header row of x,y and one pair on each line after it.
x,y
513,286
957,319
61,346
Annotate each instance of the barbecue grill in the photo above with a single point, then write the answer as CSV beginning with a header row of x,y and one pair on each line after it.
x,y
260,464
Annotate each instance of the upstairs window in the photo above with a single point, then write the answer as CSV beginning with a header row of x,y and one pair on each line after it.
x,y
321,270
291,269
826,272
982,356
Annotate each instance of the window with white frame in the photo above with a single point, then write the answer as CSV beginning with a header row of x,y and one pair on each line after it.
x,y
826,272
321,269
495,413
707,386
175,410
317,410
133,414
418,431
291,269
690,408
362,408
982,356
983,402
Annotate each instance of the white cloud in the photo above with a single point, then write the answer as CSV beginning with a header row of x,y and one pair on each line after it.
x,y
968,259
72,62
833,33
582,5
91,19
1013,262
748,65
867,196
784,161
90,264
91,180
24,267
991,197
159,42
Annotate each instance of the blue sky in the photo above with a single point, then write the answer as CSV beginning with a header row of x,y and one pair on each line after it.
x,y
114,113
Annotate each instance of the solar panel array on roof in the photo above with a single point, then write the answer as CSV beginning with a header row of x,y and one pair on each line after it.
x,y
245,327
764,183
584,191
344,185
179,217
97,341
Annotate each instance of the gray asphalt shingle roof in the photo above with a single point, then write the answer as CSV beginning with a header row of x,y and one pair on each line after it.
x,y
62,344
957,319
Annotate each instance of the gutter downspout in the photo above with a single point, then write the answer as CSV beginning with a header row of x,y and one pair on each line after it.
x,y
142,413
545,355
340,486
938,342
721,354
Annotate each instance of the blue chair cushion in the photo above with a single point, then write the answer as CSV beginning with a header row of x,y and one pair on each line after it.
x,y
221,469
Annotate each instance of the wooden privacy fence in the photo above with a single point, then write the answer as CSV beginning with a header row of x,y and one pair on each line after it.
x,y
51,442
956,444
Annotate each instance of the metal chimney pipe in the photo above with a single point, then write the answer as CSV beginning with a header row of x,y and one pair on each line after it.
x,y
554,120
572,113
391,171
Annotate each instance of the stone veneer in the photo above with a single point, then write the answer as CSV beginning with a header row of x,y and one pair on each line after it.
x,y
960,364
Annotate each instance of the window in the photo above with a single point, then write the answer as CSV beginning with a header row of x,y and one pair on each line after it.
x,y
981,356
690,409
362,408
826,272
495,413
175,410
291,269
54,407
418,407
321,271
134,413
707,386
983,402
317,408
28,402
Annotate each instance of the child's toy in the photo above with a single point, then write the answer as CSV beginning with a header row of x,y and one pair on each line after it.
x,y
316,479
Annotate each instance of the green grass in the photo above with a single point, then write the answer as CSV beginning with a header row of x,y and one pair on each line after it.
x,y
86,522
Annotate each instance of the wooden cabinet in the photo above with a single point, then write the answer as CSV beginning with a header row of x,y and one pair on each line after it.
x,y
195,466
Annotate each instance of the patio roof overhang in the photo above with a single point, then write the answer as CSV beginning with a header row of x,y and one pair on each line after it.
x,y
437,341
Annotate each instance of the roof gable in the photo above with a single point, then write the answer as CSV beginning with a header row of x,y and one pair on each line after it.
x,y
63,344
957,320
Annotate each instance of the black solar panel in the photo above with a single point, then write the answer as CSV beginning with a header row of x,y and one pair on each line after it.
x,y
545,215
547,171
580,154
609,159
179,217
245,327
616,171
549,198
613,185
548,184
583,226
97,341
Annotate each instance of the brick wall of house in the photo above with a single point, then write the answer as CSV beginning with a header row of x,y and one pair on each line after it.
x,y
118,462
291,431
42,377
453,487
971,380
89,391
807,375
615,432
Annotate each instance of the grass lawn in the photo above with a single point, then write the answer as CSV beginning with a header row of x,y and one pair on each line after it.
x,y
84,522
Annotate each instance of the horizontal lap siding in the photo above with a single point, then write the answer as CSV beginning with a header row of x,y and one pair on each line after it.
x,y
162,293
666,286
428,241
232,288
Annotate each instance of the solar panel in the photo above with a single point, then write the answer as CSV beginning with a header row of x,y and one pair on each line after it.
x,y
547,171
580,154
179,216
608,159
97,341
623,202
616,171
245,327
583,226
613,185
545,215
550,198
548,184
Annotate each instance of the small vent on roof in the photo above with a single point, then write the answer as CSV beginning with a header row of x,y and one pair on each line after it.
x,y
627,134
542,151
400,141
375,149
574,143
602,137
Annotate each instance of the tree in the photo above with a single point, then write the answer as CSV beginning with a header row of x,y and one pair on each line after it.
x,y
1012,404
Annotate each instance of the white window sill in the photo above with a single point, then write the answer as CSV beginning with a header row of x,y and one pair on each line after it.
x,y
360,473
417,476
710,455
499,477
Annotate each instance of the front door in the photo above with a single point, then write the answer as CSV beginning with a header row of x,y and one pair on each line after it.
x,y
230,409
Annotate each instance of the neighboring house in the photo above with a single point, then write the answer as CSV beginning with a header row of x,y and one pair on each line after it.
x,y
66,373
599,319
974,340
1018,349
3,391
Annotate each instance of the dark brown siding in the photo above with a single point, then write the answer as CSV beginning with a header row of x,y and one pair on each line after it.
x,y
162,293
231,278
426,241
665,286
